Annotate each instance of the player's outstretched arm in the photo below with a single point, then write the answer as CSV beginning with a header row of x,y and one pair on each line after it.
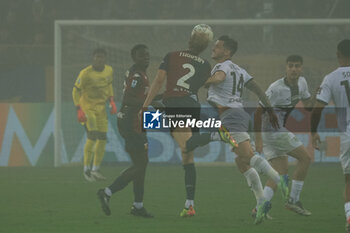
x,y
314,121
254,87
155,87
257,129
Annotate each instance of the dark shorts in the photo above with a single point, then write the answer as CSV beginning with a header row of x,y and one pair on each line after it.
x,y
135,139
184,105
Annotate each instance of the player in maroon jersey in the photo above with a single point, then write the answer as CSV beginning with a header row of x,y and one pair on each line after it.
x,y
185,72
135,91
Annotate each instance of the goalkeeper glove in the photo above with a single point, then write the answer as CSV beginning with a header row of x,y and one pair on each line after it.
x,y
112,105
81,115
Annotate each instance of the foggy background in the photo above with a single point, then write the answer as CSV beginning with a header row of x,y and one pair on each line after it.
x,y
27,38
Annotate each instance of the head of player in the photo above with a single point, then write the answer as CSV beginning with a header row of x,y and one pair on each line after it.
x,y
294,66
343,52
224,48
99,58
198,42
140,56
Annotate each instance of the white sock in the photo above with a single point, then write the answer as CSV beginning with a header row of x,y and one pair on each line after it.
x,y
261,165
254,183
108,191
86,168
297,186
189,203
138,205
268,193
95,168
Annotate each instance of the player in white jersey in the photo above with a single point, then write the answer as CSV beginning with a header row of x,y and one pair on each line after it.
x,y
336,86
226,87
284,94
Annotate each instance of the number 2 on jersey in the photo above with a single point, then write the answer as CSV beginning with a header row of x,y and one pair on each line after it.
x,y
182,81
345,83
239,86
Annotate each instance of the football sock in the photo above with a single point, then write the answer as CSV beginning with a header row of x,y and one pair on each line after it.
x,y
99,153
254,183
268,193
189,203
347,209
295,191
118,184
262,166
190,180
138,205
88,152
138,191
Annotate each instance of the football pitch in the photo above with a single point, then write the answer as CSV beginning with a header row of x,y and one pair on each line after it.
x,y
54,200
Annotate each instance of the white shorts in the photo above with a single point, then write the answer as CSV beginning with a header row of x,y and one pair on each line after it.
x,y
345,153
236,121
277,144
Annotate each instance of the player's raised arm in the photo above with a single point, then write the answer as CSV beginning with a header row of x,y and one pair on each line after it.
x,y
155,87
253,86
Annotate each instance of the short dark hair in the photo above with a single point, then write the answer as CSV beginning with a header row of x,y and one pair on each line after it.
x,y
229,44
344,48
99,50
294,58
136,48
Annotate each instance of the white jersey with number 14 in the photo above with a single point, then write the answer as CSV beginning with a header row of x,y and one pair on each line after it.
x,y
229,92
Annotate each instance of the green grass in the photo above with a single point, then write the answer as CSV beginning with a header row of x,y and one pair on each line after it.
x,y
51,200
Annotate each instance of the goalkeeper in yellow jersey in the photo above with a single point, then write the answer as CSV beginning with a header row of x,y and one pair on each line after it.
x,y
92,89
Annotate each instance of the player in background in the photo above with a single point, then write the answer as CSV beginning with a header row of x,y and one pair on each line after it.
x,y
336,87
184,72
276,144
136,144
92,89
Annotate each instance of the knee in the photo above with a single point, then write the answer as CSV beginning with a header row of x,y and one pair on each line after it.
x,y
241,164
305,159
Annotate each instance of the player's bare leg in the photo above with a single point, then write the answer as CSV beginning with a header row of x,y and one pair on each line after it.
x,y
181,135
299,175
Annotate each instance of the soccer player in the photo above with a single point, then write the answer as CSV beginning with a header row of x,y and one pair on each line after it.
x,y
135,90
227,82
92,89
184,72
283,95
335,86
